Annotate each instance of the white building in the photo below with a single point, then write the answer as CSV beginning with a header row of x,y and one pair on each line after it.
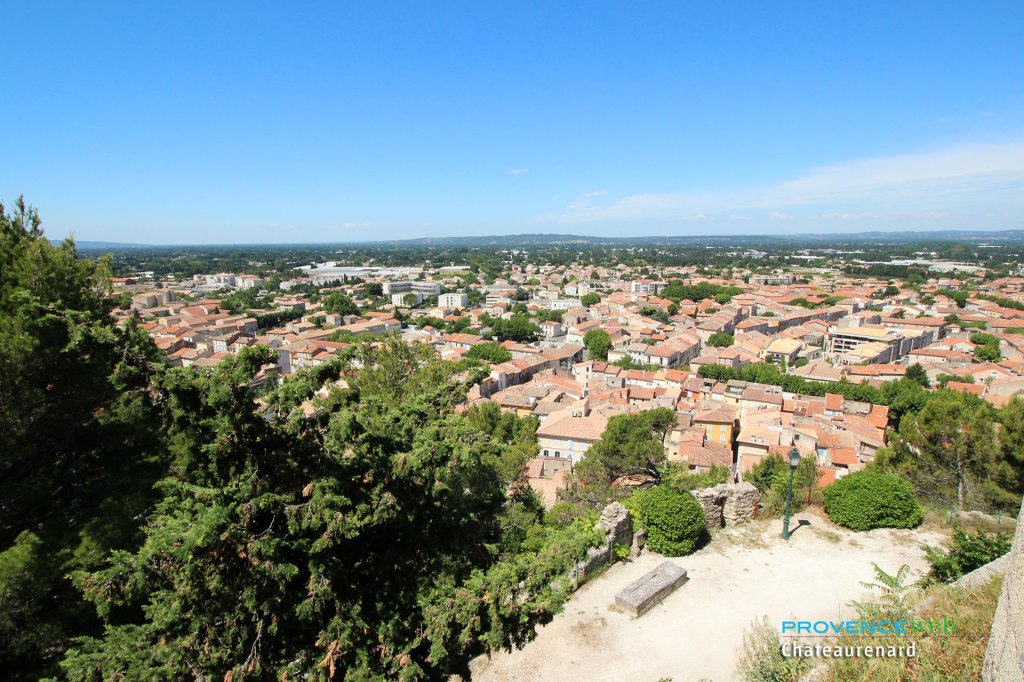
x,y
221,278
564,304
647,286
453,300
248,281
412,287
551,329
775,279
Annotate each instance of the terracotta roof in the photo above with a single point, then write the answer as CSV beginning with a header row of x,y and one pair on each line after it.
x,y
878,370
960,387
709,454
843,456
564,425
716,416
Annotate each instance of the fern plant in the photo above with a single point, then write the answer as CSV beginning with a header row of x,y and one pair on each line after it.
x,y
894,602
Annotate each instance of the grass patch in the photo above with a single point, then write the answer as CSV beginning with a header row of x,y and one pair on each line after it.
x,y
943,521
760,659
938,658
749,535
935,521
829,535
957,655
976,521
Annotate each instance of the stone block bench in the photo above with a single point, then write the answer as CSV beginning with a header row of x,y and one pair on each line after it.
x,y
646,591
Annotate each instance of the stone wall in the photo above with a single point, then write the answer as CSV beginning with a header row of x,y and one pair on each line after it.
x,y
741,504
728,504
589,565
712,501
1004,659
617,526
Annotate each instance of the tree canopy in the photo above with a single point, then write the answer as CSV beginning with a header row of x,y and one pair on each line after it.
x,y
630,444
916,372
491,352
598,343
655,314
360,543
200,533
721,340
337,302
516,328
676,291
78,449
950,451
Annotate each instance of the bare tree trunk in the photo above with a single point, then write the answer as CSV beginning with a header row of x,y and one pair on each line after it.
x,y
960,482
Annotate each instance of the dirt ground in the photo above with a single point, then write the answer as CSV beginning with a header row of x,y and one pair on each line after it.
x,y
746,572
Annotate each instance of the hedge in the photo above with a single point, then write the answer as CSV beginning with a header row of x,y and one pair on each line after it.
x,y
869,499
672,518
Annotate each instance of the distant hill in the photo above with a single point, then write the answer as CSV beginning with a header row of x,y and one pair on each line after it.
x,y
513,240
102,246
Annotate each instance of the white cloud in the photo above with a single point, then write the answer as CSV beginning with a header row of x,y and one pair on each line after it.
x,y
356,226
945,184
518,171
583,200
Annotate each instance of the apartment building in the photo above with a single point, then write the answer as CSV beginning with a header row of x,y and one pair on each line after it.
x,y
248,281
775,279
421,290
647,286
453,300
847,339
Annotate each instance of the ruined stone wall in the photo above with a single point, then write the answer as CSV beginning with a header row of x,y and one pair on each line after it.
x,y
617,525
741,504
713,502
727,504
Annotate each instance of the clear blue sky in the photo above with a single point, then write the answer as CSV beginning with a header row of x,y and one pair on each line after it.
x,y
178,122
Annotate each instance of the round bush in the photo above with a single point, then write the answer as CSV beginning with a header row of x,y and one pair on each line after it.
x,y
673,519
869,499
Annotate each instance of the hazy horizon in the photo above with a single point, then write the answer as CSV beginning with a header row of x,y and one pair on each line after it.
x,y
580,235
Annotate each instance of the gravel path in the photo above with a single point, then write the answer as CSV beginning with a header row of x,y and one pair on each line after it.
x,y
746,572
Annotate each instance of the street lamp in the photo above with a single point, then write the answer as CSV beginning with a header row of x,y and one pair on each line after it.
x,y
794,462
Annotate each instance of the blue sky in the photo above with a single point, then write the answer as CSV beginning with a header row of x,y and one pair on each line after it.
x,y
257,122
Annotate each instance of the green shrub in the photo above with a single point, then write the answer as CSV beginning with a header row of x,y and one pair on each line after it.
x,y
771,476
764,471
869,499
673,519
679,476
969,551
564,514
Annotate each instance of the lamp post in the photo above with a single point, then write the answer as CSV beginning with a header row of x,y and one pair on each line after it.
x,y
794,462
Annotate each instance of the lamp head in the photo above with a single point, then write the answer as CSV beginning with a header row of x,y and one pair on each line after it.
x,y
794,458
